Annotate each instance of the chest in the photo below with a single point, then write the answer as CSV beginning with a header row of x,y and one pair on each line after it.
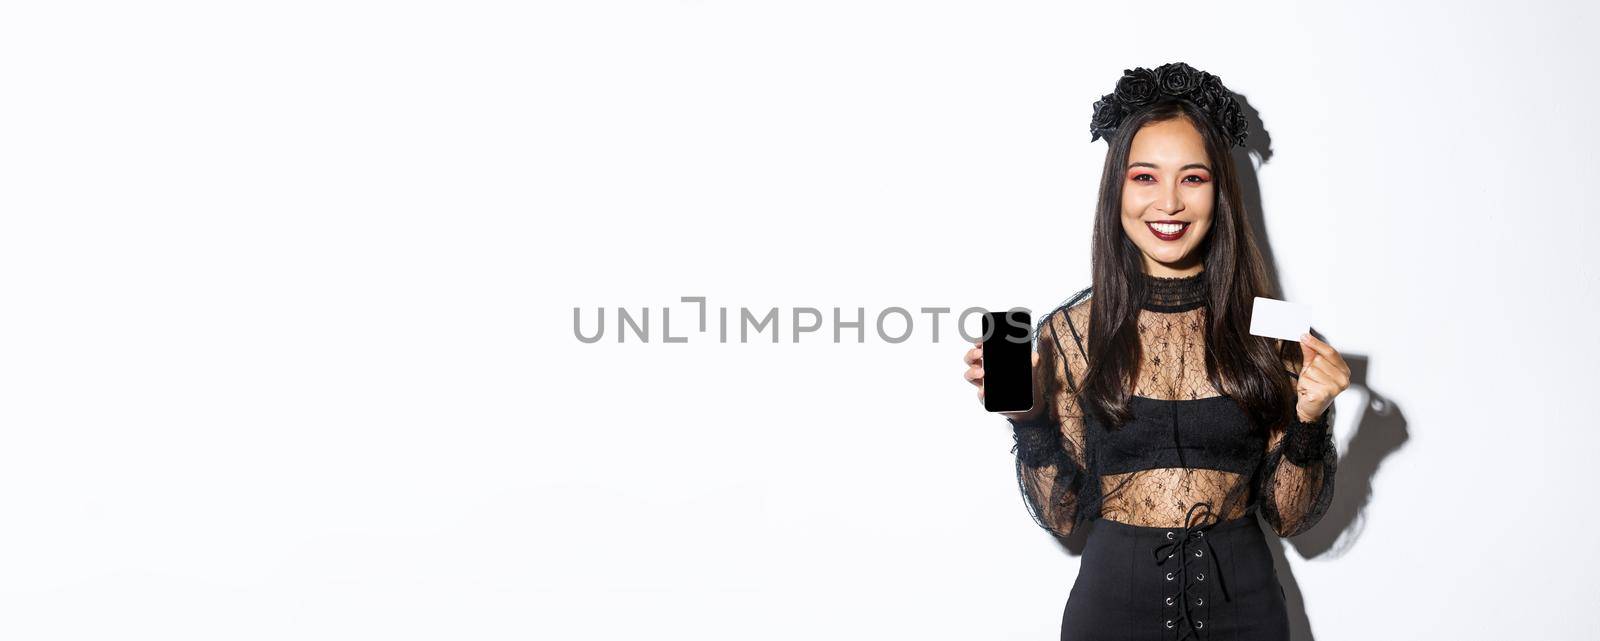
x,y
1212,432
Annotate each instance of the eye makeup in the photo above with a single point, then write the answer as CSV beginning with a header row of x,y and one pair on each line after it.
x,y
1136,178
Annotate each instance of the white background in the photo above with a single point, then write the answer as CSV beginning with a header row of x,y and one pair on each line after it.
x,y
288,298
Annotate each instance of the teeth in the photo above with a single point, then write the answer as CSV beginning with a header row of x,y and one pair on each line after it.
x,y
1167,228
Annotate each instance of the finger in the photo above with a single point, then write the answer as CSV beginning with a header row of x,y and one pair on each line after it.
x,y
973,356
1319,375
1337,359
974,375
1306,353
1331,354
1320,346
1326,370
1314,378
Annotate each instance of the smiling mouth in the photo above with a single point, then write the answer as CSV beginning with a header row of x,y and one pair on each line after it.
x,y
1167,230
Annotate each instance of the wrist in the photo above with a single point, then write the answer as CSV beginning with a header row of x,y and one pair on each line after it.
x,y
1319,419
1036,444
1308,442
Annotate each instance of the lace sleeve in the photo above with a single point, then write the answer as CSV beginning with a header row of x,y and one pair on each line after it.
x,y
1052,468
1297,477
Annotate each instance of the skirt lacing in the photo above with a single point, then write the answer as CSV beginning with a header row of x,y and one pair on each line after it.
x,y
1190,546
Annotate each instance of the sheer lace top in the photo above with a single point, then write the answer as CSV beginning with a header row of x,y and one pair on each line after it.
x,y
1187,443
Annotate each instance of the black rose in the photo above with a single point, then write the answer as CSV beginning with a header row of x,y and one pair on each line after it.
x,y
1107,113
1136,88
1230,121
1223,113
1239,128
1177,79
1210,92
1139,87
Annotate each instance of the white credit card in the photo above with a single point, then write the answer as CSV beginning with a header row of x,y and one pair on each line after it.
x,y
1275,318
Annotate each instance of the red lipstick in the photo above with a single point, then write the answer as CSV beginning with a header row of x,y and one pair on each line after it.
x,y
1164,235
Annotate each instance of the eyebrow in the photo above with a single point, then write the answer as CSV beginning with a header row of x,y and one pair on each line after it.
x,y
1193,165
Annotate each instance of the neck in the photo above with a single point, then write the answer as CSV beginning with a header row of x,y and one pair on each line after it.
x,y
1175,293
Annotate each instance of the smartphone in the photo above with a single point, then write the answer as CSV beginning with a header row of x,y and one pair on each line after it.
x,y
1008,361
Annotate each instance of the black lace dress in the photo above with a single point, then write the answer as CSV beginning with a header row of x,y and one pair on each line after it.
x,y
1174,550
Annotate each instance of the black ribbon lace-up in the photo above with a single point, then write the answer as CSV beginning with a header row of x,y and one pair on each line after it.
x,y
1178,545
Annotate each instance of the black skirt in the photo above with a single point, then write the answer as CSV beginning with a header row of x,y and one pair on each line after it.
x,y
1213,581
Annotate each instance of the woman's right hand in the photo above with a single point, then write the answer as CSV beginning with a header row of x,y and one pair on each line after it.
x,y
974,375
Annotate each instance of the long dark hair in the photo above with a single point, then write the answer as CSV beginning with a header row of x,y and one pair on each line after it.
x,y
1238,364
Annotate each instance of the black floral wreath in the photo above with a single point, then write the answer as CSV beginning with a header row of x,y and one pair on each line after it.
x,y
1139,87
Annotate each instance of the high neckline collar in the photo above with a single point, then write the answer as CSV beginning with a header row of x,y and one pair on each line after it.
x,y
1175,293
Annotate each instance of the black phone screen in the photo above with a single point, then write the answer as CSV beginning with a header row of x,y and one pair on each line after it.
x,y
1008,361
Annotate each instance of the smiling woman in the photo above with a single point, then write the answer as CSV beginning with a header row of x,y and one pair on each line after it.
x,y
1166,204
1161,422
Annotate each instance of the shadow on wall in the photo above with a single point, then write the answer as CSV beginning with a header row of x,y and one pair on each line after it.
x,y
1378,431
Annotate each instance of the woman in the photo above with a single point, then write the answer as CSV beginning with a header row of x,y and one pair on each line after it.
x,y
1159,420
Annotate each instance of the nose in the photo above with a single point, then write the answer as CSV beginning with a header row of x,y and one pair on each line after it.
x,y
1169,202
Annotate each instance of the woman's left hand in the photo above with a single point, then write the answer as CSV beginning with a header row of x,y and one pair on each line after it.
x,y
1323,377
